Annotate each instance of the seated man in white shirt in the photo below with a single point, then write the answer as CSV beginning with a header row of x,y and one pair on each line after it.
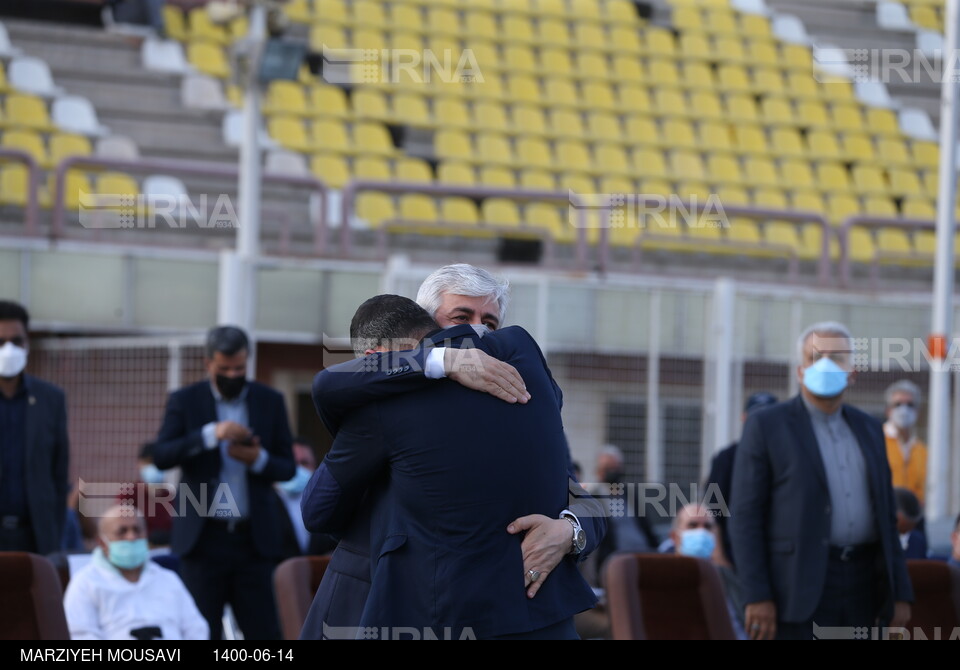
x,y
122,595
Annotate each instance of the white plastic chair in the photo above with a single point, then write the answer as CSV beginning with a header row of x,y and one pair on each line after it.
x,y
930,43
750,7
117,146
832,60
789,29
231,130
32,75
875,94
916,123
202,92
163,56
286,162
893,16
76,114
7,50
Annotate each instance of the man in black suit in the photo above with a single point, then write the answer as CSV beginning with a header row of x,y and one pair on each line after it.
x,y
34,447
813,523
232,440
447,553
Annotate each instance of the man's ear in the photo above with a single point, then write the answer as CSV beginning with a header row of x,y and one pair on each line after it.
x,y
852,378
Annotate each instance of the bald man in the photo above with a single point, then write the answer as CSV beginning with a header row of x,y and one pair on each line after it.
x,y
122,595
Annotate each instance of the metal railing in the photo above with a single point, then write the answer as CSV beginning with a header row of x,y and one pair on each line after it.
x,y
877,223
32,210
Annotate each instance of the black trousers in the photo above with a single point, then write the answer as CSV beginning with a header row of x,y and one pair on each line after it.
x,y
225,568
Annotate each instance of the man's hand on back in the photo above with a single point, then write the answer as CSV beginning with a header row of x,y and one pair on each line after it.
x,y
545,544
479,371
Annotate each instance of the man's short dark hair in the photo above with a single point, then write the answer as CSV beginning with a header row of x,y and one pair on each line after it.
x,y
383,318
14,311
908,503
227,340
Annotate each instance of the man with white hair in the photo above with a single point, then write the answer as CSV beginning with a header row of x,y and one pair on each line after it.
x,y
123,595
813,523
906,454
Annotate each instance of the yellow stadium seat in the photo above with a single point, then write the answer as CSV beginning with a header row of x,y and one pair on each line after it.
x,y
724,169
860,245
837,90
776,111
611,159
203,28
14,184
925,242
770,197
797,174
493,148
370,137
624,39
806,201
174,23
894,241
576,182
869,179
450,172
368,38
767,81
802,86
371,167
679,133
743,230
412,169
417,207
406,17
553,31
732,78
812,114
698,75
669,102
458,210
760,171
628,68
786,142
750,139
688,19
823,144
500,212
65,145
633,98
413,41
490,116
841,206
331,135
642,130
705,105
328,101
521,58
523,88
369,103
781,233
588,9
878,205
537,180
28,141
555,62
797,57
604,126
238,28
755,26
741,108
720,20
326,36
919,207
663,72
528,119
687,165
621,11
480,23
588,36
485,54
759,51
498,175
208,58
117,182
570,153
659,41
533,152
410,109
375,208
733,194
331,169
904,181
832,177
893,151
285,97
857,147
560,92
290,133
592,65
599,94
516,28
925,154
695,45
926,17
882,121
451,112
566,123
443,21
649,162
715,136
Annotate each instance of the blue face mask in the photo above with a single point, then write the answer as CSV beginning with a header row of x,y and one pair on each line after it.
x,y
128,554
697,542
298,483
825,378
151,474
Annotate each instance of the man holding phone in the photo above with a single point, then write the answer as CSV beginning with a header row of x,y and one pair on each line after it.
x,y
232,439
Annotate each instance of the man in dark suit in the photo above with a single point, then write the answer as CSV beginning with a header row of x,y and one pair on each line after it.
x,y
232,440
813,521
34,447
448,550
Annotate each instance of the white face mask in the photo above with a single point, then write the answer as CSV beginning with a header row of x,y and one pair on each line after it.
x,y
903,417
13,360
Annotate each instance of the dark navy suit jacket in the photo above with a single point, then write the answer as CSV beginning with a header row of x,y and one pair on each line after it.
x,y
780,520
180,442
462,465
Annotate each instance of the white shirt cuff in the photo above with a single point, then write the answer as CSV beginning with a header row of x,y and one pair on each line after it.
x,y
433,369
261,462
210,435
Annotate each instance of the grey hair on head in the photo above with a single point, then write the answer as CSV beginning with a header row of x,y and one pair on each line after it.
x,y
462,279
612,450
902,386
828,328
